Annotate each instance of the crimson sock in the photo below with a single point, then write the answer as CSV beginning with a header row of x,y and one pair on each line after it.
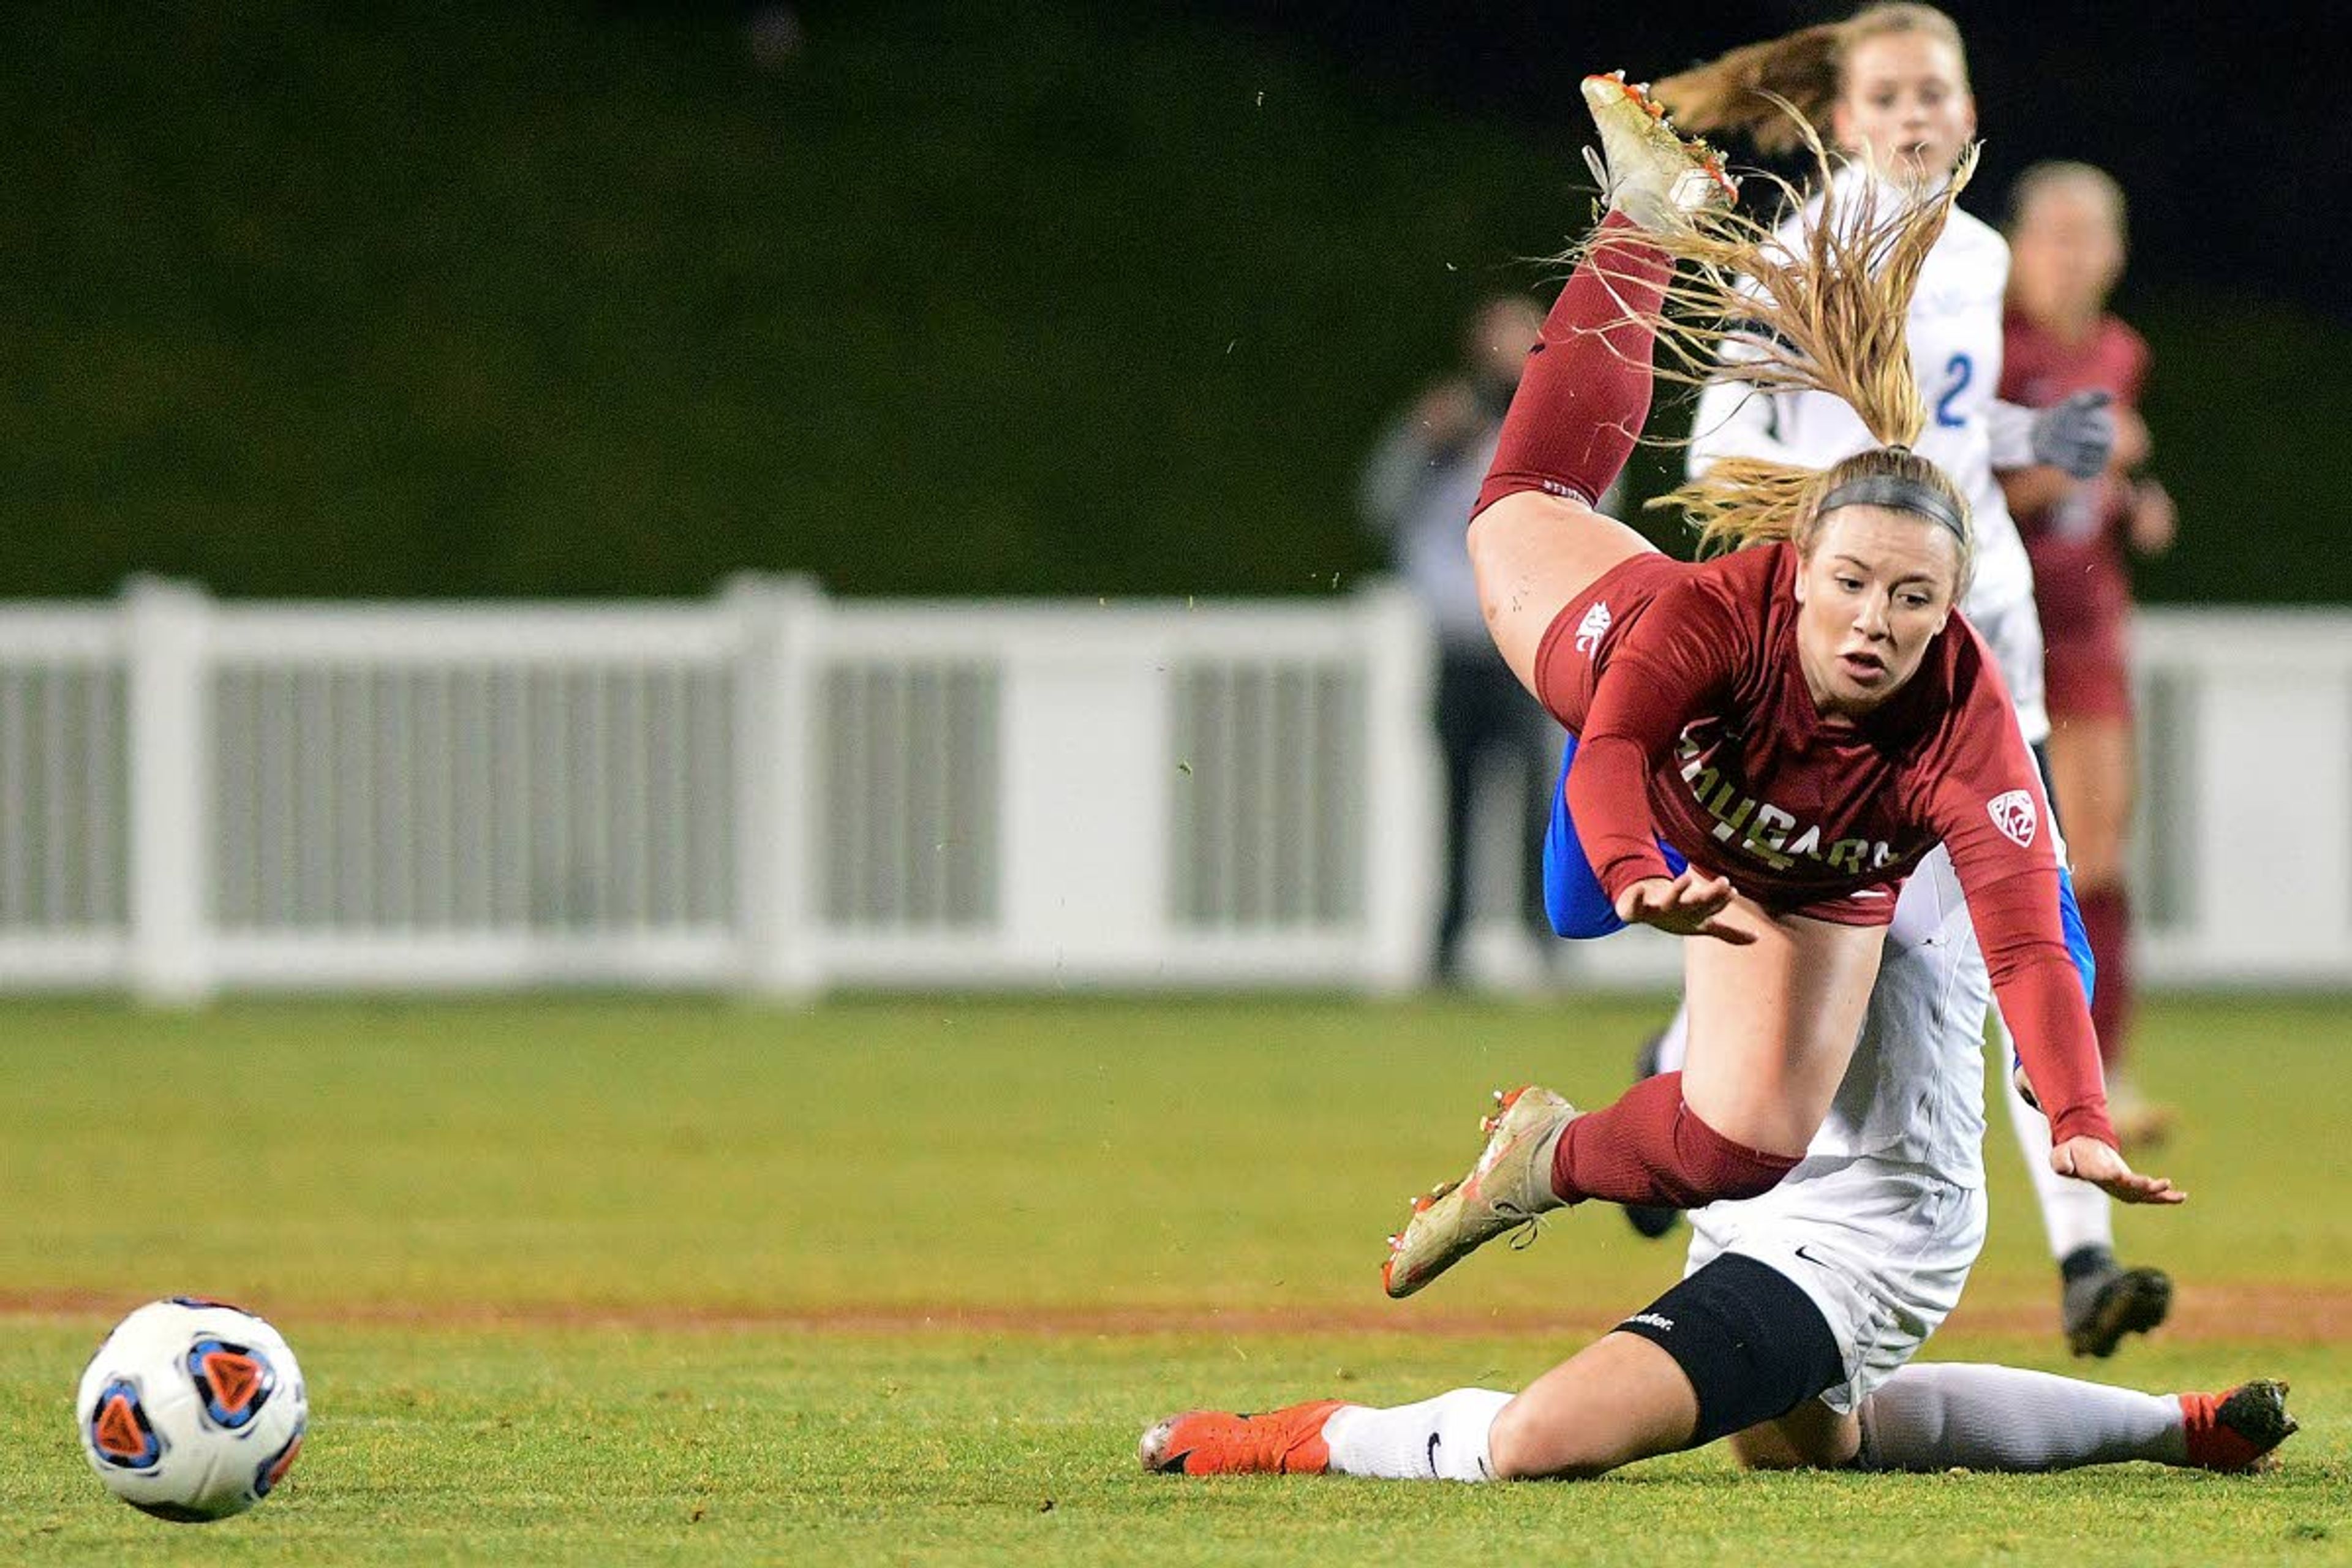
x,y
1650,1148
2214,1443
1586,391
2106,920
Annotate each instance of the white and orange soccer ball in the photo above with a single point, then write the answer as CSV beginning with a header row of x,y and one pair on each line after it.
x,y
192,1410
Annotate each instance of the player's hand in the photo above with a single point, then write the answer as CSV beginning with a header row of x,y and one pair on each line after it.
x,y
2133,447
1693,904
2077,434
2088,1160
2153,521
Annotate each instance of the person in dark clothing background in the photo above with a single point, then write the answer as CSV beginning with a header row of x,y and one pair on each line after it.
x,y
1416,494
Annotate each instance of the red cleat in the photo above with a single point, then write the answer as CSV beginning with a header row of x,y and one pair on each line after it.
x,y
2236,1430
1286,1442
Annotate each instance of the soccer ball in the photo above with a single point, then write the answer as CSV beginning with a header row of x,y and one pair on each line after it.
x,y
192,1410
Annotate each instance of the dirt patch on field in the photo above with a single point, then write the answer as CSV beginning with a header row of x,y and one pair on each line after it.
x,y
2289,1314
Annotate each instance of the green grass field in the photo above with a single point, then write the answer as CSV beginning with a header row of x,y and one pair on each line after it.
x,y
899,1282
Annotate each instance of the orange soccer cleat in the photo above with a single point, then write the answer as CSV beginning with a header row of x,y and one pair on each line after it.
x,y
2236,1430
1286,1442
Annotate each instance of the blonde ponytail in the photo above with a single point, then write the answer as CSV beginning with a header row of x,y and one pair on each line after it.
x,y
1826,311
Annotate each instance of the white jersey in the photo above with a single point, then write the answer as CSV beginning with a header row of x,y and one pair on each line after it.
x,y
1881,1221
1956,350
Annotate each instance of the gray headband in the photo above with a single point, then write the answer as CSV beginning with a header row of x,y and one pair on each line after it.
x,y
1901,493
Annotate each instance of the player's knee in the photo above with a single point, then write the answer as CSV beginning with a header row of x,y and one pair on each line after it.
x,y
1754,1349
1760,1448
2096,868
2095,844
1807,1438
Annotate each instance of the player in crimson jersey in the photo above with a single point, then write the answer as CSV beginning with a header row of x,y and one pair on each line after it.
x,y
1792,1337
1796,725
2066,227
1891,84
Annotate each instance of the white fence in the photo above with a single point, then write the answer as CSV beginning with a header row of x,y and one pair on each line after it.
x,y
2244,842
778,793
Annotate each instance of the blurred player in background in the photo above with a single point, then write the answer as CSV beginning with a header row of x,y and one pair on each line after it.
x,y
1766,742
1891,84
2066,233
1416,493
1791,1331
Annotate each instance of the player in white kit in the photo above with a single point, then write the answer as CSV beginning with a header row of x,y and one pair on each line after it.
x,y
1890,84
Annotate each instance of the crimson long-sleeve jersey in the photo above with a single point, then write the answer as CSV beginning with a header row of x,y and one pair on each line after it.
x,y
1694,725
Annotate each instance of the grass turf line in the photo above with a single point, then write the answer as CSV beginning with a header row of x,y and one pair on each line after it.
x,y
556,1446
670,1160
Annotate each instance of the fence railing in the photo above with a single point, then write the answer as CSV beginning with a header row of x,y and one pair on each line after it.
x,y
777,791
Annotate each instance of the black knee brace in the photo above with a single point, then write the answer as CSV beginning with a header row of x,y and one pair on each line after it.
x,y
1753,1345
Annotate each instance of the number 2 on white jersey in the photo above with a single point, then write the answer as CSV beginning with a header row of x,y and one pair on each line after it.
x,y
1961,370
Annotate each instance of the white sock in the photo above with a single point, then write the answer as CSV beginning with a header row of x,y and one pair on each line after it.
x,y
2001,1418
1441,1440
2075,1214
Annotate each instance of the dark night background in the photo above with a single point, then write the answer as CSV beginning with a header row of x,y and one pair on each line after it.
x,y
1059,297
2212,117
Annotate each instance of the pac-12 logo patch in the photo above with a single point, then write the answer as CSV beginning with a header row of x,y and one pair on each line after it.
x,y
2015,815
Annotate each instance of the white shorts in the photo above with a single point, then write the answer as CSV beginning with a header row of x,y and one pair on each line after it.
x,y
1882,1249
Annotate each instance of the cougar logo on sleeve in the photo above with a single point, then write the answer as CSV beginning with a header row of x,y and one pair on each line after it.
x,y
1589,630
2015,815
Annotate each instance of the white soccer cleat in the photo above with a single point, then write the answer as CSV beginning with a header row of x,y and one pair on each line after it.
x,y
1646,172
1509,1185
